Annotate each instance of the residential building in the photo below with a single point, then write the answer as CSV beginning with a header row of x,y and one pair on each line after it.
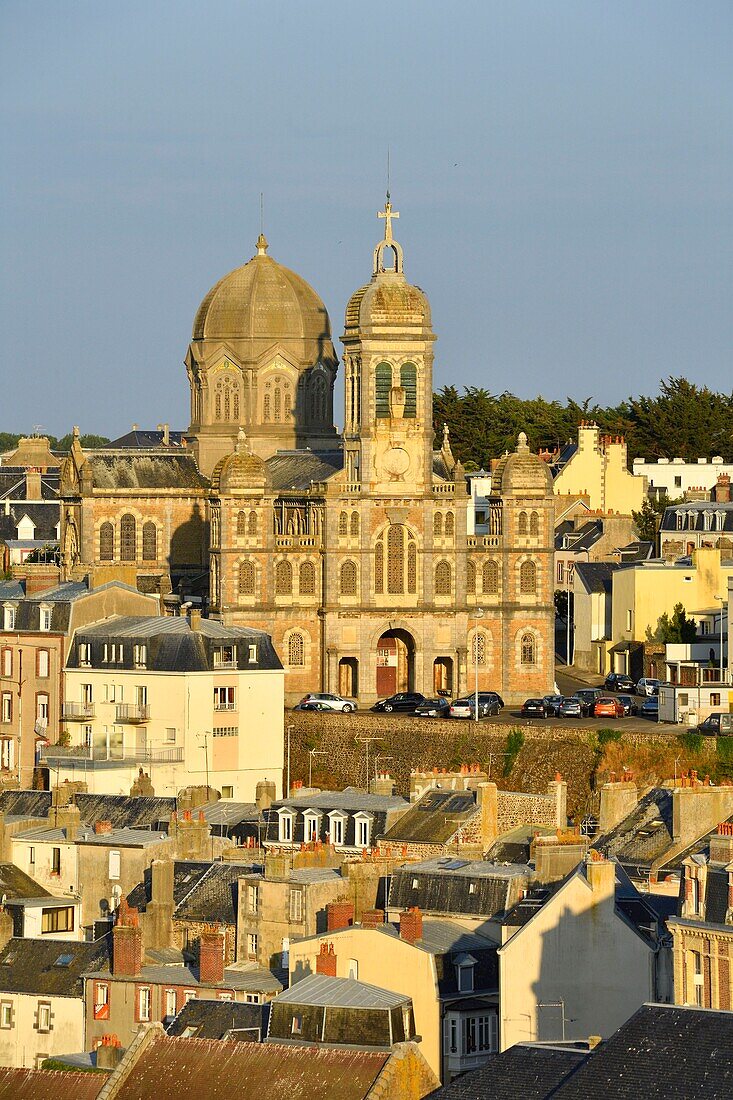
x,y
596,469
33,1084
29,506
350,820
41,997
592,613
199,703
45,917
697,524
221,1020
674,478
36,628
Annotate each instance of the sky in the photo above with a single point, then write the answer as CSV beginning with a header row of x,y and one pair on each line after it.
x,y
563,172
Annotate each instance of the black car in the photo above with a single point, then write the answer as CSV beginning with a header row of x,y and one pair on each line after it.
x,y
628,702
534,708
619,681
588,697
433,708
552,704
403,700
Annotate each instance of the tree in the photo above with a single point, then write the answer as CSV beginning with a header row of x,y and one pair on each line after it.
x,y
647,520
677,629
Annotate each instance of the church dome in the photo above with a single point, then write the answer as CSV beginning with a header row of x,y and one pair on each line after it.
x,y
239,470
522,473
263,303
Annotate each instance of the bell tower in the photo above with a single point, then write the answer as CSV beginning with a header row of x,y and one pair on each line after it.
x,y
388,367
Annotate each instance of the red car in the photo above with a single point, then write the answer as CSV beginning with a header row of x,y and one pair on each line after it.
x,y
607,707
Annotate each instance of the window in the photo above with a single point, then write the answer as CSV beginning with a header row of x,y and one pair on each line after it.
x,y
85,653
144,998
106,542
252,654
348,579
42,707
487,1037
343,524
465,978
140,656
253,897
354,969
528,577
241,524
58,919
336,829
170,735
283,578
296,1026
6,711
408,381
478,648
225,657
42,663
363,832
490,578
379,567
629,617
252,945
6,1015
438,525
7,663
252,524
247,578
45,619
449,525
683,699
189,995
114,865
226,400
451,1038
43,1016
170,1002
443,579
310,826
227,791
150,541
224,698
101,1001
522,523
561,572
396,559
296,650
534,524
285,830
307,579
128,538
714,698
470,579
55,861
32,856
382,389
9,618
528,649
296,906
354,525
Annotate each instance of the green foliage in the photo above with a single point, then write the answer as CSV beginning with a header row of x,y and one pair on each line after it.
x,y
54,1063
647,520
691,742
514,742
64,444
44,555
8,441
724,753
677,629
606,736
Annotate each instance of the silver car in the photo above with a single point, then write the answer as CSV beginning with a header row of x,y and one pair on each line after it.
x,y
325,700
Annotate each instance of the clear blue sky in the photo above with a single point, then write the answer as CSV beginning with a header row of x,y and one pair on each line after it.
x,y
564,173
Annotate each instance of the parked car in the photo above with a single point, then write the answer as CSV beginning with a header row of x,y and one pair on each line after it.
x,y
608,707
628,703
588,697
571,707
647,686
534,708
402,701
489,702
552,704
718,724
650,708
618,681
433,708
329,701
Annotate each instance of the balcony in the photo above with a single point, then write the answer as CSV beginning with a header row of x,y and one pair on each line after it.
x,y
132,712
101,754
77,712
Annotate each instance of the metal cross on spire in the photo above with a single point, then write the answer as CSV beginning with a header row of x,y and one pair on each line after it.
x,y
388,213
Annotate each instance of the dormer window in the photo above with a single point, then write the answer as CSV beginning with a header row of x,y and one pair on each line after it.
x,y
719,521
140,656
311,825
9,617
363,827
337,829
252,658
707,521
225,657
465,965
286,818
45,618
680,517
85,653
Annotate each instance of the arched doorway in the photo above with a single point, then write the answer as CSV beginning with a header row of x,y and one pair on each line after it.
x,y
349,677
395,662
443,674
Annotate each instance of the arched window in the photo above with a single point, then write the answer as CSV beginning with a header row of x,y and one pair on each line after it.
x,y
267,408
247,578
150,541
318,399
449,524
307,579
252,523
437,524
490,578
528,647
408,381
411,567
343,523
296,650
283,578
470,578
379,567
534,524
226,400
478,648
354,527
348,579
522,523
395,559
443,579
277,405
241,524
382,389
128,538
106,542
528,577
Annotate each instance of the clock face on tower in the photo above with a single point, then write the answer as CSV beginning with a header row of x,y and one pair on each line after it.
x,y
395,463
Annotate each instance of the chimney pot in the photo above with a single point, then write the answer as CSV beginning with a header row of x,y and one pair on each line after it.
x,y
411,925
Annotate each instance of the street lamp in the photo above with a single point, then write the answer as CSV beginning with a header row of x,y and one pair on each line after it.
x,y
477,616
722,600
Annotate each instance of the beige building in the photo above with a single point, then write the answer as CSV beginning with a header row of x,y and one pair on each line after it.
x,y
196,702
597,470
353,551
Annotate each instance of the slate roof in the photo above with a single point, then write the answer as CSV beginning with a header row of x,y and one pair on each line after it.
x,y
297,470
579,538
214,1019
170,1068
434,818
635,551
186,874
43,516
515,845
596,575
143,439
529,1072
125,812
214,896
716,895
327,992
694,512
125,470
44,1084
644,835
25,803
240,977
14,883
351,801
663,1052
469,888
34,966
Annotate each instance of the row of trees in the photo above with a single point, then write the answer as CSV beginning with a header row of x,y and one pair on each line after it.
x,y
9,441
683,420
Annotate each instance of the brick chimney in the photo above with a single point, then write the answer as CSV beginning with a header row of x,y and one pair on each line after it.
x,y
326,961
211,956
411,925
721,490
339,914
102,827
127,942
372,918
109,1052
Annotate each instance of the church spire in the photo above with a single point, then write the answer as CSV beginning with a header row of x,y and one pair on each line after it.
x,y
388,242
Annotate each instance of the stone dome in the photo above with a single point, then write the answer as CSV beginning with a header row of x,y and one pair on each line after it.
x,y
388,300
239,470
522,473
264,303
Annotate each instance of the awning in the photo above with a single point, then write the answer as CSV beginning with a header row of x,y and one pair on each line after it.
x,y
625,647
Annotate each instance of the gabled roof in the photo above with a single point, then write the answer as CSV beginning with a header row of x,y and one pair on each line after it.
x,y
126,470
143,439
125,812
203,892
327,992
469,888
25,803
44,1084
215,1019
645,834
49,967
596,575
14,883
434,818
526,1072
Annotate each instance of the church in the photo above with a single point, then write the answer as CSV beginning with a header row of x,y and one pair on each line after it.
x,y
352,550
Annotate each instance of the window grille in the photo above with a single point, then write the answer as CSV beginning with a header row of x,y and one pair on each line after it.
x,y
408,381
150,541
283,578
478,648
529,649
296,650
247,579
252,523
470,578
106,542
437,524
528,577
307,579
354,527
534,524
128,538
522,524
443,579
348,579
490,577
412,567
343,524
382,388
241,524
449,525
379,567
396,559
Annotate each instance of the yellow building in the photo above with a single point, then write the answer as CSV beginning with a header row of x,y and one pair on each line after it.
x,y
597,470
